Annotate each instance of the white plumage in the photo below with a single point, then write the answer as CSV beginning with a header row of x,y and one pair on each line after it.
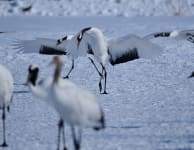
x,y
115,51
127,43
6,87
77,107
6,95
97,43
34,46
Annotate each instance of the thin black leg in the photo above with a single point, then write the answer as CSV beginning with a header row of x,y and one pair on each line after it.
x,y
60,127
100,82
64,141
75,142
8,107
100,74
95,66
79,137
100,86
105,77
72,67
4,144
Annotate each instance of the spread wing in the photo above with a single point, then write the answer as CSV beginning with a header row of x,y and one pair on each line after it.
x,y
38,45
131,47
157,35
179,35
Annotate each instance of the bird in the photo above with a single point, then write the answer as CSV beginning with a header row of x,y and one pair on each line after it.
x,y
175,34
77,106
91,41
6,97
41,90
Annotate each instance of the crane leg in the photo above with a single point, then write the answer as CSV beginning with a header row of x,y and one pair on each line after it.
x,y
100,74
72,67
105,79
64,141
76,141
4,144
61,127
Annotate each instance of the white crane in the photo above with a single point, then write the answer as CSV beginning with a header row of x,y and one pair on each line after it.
x,y
78,107
92,41
175,34
6,96
115,51
41,90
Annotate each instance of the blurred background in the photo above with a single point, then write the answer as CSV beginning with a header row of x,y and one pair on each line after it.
x,y
97,7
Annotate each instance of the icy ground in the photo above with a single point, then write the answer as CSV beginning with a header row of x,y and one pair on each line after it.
x,y
150,105
98,7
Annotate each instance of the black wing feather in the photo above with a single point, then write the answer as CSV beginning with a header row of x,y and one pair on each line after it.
x,y
128,56
51,51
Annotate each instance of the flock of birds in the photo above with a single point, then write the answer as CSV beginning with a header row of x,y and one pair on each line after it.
x,y
76,106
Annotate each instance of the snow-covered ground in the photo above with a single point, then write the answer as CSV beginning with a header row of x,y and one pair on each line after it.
x,y
98,7
150,105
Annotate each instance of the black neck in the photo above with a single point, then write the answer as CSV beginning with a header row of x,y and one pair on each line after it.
x,y
80,36
32,78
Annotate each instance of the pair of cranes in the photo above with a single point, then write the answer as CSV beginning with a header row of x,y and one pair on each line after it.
x,y
93,43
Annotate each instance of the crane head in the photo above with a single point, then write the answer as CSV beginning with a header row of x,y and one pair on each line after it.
x,y
59,41
32,74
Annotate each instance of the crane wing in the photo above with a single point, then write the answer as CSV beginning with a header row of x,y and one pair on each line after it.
x,y
179,35
131,47
38,45
157,35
